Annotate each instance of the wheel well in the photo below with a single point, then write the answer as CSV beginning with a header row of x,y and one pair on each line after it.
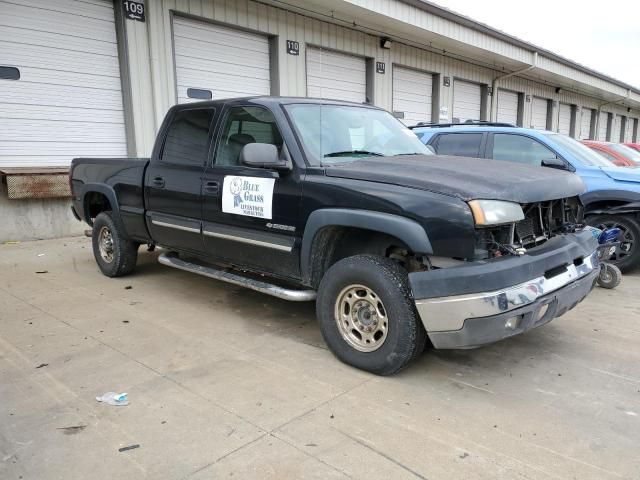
x,y
95,203
333,243
595,208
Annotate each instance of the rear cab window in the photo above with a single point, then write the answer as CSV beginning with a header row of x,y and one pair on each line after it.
x,y
459,144
188,137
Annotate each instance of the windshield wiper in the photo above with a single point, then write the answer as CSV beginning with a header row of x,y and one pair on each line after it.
x,y
346,153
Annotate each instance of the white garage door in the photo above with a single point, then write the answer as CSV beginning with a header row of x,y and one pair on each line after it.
x,y
564,119
539,113
412,92
507,107
628,137
617,126
224,61
336,75
68,100
585,124
466,101
602,126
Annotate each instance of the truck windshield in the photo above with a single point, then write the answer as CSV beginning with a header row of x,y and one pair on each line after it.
x,y
580,152
339,133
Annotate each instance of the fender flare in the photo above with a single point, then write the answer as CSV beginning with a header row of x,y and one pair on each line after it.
x,y
407,230
631,201
107,191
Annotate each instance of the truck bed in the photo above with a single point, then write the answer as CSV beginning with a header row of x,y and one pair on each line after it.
x,y
121,181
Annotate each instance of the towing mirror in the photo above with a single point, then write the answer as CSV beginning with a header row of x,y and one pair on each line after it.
x,y
263,155
553,162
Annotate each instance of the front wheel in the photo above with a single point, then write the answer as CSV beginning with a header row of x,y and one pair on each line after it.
x,y
627,255
367,315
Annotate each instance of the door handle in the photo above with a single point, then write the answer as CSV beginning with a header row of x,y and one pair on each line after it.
x,y
211,187
158,182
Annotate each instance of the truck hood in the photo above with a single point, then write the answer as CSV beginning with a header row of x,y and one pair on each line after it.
x,y
465,178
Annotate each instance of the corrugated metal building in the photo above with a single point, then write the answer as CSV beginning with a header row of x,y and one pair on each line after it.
x,y
95,77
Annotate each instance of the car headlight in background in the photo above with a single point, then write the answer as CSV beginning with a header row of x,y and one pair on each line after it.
x,y
495,212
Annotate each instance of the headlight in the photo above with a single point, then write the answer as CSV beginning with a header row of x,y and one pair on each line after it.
x,y
495,212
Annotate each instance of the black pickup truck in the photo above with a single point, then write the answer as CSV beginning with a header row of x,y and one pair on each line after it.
x,y
310,199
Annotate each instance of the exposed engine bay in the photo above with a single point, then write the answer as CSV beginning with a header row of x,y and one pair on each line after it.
x,y
542,221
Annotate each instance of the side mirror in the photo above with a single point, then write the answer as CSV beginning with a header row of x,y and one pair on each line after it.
x,y
263,155
431,149
553,162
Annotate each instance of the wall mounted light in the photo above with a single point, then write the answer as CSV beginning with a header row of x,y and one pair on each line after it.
x,y
385,43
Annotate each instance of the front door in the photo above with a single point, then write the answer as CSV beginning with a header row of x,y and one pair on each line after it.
x,y
250,215
173,181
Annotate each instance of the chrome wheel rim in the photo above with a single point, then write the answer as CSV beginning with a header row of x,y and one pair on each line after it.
x,y
627,239
105,244
361,318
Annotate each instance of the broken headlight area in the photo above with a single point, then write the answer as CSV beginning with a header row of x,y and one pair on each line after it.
x,y
542,221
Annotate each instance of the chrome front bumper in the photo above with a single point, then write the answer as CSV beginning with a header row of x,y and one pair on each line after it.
x,y
464,321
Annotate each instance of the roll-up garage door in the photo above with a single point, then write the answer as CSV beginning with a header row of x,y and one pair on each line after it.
x,y
628,136
412,92
68,101
539,108
564,119
585,124
214,61
467,101
507,106
617,125
336,75
603,119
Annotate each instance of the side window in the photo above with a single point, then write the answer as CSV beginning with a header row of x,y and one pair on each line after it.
x,y
187,140
459,144
520,149
242,126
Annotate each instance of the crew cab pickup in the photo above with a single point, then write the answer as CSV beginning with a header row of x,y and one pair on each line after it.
x,y
309,199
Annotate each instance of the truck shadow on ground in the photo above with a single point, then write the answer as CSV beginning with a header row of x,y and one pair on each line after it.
x,y
296,321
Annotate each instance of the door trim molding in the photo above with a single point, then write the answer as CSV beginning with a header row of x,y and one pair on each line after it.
x,y
258,239
173,225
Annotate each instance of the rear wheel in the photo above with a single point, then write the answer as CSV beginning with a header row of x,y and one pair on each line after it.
x,y
367,315
114,253
627,255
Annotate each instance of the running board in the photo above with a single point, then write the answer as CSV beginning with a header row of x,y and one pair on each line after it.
x,y
172,260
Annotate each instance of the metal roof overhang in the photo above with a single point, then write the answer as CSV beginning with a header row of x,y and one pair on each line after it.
x,y
404,26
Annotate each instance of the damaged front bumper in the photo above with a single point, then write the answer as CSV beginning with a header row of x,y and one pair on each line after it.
x,y
486,301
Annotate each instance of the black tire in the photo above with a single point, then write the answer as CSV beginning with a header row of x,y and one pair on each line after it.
x,y
610,276
404,336
627,255
123,252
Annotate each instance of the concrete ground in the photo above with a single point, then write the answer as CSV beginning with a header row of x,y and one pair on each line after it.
x,y
228,383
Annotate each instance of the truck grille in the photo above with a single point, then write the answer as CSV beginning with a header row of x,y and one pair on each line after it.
x,y
542,221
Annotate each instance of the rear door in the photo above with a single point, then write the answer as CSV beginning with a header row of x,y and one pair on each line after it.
x,y
173,180
250,215
460,144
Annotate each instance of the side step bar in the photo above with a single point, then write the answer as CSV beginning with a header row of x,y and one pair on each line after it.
x,y
170,259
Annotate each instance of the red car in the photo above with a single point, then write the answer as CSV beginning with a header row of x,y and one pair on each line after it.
x,y
635,146
616,153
